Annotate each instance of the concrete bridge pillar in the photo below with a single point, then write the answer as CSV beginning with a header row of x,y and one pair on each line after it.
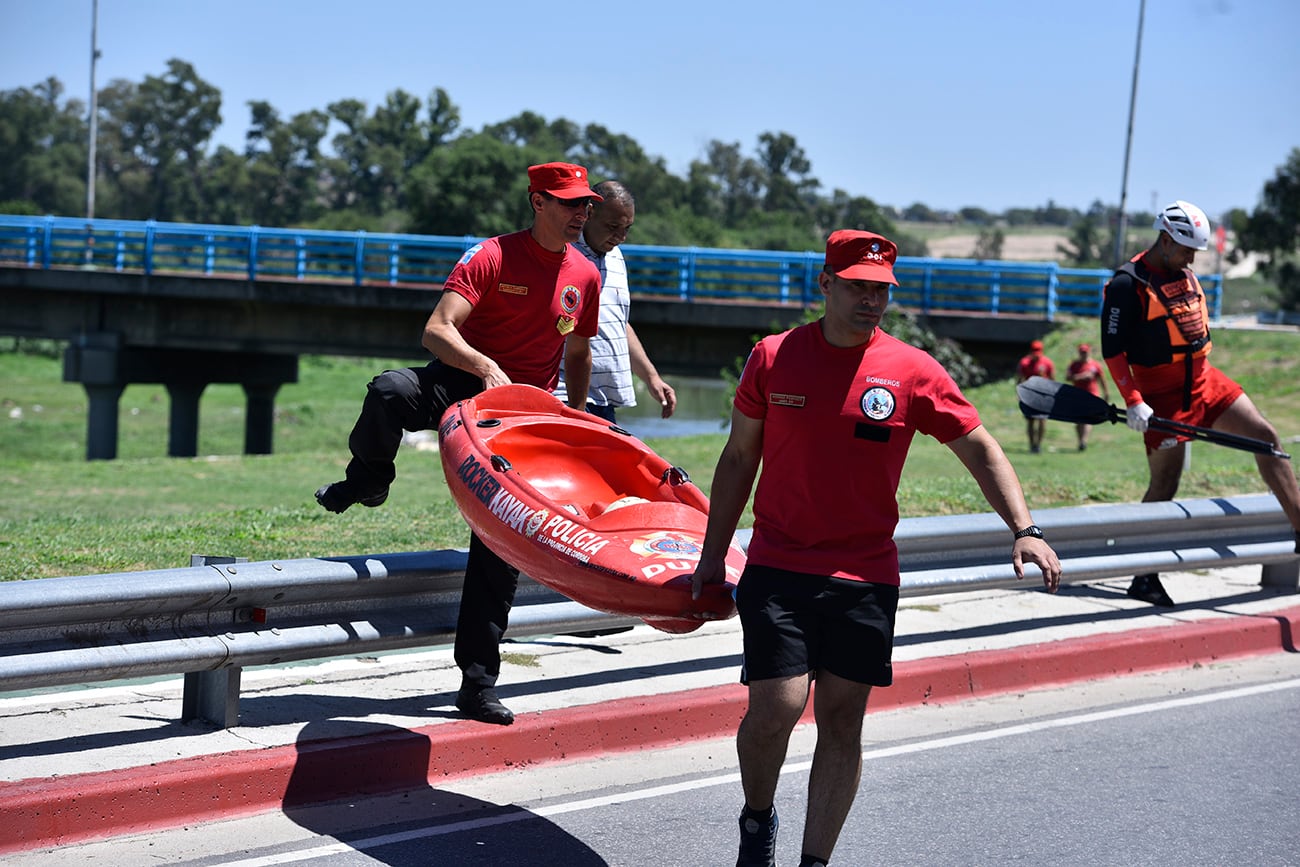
x,y
101,421
183,418
104,368
259,420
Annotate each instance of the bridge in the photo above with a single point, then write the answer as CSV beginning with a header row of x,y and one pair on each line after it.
x,y
185,305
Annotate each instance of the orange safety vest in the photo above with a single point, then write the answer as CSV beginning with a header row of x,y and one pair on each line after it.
x,y
1181,305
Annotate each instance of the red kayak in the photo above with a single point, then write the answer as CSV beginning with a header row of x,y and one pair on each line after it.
x,y
582,506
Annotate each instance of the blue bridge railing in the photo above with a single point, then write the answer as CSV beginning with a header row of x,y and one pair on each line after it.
x,y
926,285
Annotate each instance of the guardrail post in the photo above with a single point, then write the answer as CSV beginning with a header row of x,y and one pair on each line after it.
x,y
811,267
252,252
1281,576
359,259
394,257
47,241
212,696
300,257
149,226
1053,284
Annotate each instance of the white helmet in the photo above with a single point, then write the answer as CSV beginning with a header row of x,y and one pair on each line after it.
x,y
1185,223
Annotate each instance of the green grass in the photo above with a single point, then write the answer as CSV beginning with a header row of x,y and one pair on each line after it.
x,y
62,515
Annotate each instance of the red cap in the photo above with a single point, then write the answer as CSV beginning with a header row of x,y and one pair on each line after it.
x,y
561,180
1084,347
855,255
1036,345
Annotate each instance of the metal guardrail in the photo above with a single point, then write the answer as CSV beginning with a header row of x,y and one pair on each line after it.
x,y
926,285
210,621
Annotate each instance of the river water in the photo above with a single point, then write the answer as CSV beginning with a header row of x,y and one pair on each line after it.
x,y
701,409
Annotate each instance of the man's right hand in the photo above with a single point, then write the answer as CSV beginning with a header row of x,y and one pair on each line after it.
x,y
710,571
1139,416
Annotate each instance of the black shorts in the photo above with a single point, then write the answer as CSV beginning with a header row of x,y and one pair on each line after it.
x,y
795,623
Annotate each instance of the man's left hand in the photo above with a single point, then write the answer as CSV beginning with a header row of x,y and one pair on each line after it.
x,y
1032,550
663,392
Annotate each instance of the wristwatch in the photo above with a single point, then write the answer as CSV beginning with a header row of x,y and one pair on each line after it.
x,y
1032,530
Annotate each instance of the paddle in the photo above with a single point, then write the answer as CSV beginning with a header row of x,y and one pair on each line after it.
x,y
1046,398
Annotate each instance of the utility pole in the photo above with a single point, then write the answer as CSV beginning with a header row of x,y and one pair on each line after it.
x,y
1122,230
94,133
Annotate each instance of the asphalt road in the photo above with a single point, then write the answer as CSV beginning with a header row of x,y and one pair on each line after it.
x,y
1189,767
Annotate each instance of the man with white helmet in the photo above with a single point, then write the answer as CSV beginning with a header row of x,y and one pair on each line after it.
x,y
1155,339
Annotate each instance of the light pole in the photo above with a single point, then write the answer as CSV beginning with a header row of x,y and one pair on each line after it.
x,y
94,110
1122,229
94,130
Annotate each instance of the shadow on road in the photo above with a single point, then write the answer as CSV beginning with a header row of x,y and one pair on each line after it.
x,y
384,807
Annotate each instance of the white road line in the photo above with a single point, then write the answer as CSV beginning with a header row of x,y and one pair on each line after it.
x,y
523,815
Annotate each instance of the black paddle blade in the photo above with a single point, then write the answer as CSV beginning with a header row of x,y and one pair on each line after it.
x,y
1046,398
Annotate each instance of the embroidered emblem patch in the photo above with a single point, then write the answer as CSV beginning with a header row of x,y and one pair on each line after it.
x,y
877,403
570,298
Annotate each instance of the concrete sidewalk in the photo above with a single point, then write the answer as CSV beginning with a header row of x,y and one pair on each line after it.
x,y
92,763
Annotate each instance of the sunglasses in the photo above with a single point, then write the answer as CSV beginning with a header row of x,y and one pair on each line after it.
x,y
573,204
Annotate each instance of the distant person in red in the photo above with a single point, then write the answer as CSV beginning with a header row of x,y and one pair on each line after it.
x,y
1036,364
829,410
1155,338
1086,372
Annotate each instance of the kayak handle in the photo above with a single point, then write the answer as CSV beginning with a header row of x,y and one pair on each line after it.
x,y
500,464
675,476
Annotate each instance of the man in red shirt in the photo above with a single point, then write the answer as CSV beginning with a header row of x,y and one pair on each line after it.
x,y
1036,364
829,410
1085,372
1155,338
511,308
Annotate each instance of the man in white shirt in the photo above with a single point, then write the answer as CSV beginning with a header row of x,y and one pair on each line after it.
x,y
616,352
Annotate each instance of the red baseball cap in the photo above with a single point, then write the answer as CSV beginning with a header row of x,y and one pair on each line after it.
x,y
1036,345
1084,347
561,180
855,255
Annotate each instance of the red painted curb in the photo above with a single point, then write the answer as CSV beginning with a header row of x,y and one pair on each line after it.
x,y
56,811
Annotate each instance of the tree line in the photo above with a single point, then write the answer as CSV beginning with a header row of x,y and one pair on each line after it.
x,y
407,165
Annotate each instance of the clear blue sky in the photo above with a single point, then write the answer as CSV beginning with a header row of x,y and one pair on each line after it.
x,y
994,104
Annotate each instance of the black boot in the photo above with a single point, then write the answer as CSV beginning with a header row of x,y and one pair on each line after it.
x,y
1148,588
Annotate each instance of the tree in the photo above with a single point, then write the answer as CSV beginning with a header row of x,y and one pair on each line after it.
x,y
1273,228
789,183
375,154
1084,249
284,165
989,244
476,185
154,137
919,213
42,150
734,181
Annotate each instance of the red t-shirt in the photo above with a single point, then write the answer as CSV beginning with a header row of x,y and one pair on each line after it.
x,y
1036,364
1086,375
837,426
526,300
